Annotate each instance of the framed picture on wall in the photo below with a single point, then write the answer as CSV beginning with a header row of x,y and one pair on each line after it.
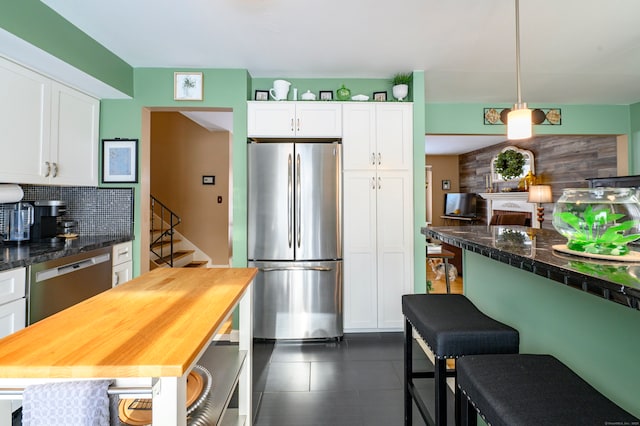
x,y
187,86
119,160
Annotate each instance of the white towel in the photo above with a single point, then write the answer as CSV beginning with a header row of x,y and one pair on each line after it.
x,y
81,403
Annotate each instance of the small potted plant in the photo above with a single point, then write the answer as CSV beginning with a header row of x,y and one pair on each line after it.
x,y
400,84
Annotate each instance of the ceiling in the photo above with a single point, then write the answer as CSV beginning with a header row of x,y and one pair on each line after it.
x,y
572,51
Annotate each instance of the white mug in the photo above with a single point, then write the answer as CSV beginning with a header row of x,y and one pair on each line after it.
x,y
280,90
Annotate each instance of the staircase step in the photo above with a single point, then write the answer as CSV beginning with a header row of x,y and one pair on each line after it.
x,y
196,264
164,243
176,256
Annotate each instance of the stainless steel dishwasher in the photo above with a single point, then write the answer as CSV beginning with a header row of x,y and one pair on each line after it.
x,y
56,284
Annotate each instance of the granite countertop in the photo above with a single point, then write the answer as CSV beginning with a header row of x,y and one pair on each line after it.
x,y
19,255
532,250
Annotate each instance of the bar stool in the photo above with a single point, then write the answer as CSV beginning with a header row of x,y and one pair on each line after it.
x,y
530,390
452,327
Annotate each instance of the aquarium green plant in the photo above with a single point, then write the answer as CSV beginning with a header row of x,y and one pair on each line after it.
x,y
594,233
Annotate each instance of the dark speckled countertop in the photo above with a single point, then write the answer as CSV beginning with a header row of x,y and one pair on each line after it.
x,y
532,250
16,256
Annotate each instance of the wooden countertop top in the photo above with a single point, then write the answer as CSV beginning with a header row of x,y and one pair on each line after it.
x,y
152,326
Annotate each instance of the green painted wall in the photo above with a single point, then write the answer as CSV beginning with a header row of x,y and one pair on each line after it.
x,y
634,147
419,199
154,89
595,337
576,119
34,22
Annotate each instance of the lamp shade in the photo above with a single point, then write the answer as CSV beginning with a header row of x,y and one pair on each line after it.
x,y
519,123
540,194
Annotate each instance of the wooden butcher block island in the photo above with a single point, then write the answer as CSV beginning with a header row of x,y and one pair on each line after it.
x,y
147,332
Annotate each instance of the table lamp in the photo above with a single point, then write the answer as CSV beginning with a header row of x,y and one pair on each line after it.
x,y
540,194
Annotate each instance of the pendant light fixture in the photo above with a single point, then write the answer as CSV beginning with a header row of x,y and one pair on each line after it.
x,y
519,118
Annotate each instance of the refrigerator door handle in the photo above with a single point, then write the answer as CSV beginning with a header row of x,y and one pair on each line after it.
x,y
296,268
290,200
298,201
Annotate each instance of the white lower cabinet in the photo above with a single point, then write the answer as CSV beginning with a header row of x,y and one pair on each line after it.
x,y
122,264
12,317
13,308
378,248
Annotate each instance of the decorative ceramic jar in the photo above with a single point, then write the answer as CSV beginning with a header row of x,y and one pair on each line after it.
x,y
599,221
343,93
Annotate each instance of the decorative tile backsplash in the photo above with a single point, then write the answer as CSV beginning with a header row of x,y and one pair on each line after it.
x,y
98,211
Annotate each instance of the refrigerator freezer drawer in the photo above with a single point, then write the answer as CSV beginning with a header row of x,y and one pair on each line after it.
x,y
298,300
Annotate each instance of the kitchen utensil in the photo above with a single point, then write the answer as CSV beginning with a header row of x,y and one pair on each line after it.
x,y
280,90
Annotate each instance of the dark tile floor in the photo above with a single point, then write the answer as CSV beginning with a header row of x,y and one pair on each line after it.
x,y
355,382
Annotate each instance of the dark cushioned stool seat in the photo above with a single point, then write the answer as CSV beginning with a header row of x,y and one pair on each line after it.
x,y
452,327
532,390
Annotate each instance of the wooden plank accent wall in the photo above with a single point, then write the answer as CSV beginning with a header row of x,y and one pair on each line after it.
x,y
560,161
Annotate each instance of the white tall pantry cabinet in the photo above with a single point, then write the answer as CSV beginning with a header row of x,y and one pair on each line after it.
x,y
378,213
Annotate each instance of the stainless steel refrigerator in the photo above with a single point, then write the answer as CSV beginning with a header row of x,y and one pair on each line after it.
x,y
295,238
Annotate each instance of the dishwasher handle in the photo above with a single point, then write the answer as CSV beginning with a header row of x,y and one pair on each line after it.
x,y
72,267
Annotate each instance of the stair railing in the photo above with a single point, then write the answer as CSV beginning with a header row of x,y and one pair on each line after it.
x,y
168,221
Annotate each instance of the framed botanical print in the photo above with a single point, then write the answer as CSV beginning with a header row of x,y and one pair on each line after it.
x,y
187,86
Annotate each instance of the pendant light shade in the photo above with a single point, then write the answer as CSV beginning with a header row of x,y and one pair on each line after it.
x,y
519,122
519,119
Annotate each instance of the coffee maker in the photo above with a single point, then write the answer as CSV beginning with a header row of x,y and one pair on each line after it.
x,y
45,217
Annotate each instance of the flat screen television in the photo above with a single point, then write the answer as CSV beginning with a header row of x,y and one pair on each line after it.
x,y
460,204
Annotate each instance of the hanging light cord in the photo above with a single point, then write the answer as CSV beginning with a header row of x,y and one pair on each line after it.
x,y
518,53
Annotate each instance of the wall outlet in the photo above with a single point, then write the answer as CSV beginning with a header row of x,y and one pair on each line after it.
x,y
208,180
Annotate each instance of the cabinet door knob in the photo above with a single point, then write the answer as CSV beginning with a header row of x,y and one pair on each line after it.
x,y
48,172
55,169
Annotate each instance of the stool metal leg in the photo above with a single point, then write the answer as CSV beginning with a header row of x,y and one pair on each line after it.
x,y
470,414
408,371
440,379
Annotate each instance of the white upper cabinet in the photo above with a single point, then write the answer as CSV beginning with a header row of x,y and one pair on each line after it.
x,y
378,136
51,130
25,122
74,142
294,119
